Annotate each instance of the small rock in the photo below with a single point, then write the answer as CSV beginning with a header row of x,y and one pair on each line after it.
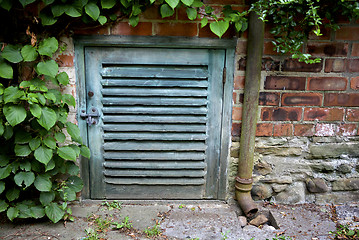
x,y
261,191
316,185
279,187
344,168
242,221
268,228
279,180
292,195
259,220
323,167
262,168
346,184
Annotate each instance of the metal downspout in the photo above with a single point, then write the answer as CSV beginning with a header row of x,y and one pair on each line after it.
x,y
244,177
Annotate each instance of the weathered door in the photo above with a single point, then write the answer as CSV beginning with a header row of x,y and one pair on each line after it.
x,y
158,131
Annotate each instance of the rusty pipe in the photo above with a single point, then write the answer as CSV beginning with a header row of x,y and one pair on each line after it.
x,y
244,178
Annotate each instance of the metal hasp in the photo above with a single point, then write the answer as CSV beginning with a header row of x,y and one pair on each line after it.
x,y
91,117
244,178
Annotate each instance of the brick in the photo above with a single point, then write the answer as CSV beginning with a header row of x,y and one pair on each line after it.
x,y
355,50
347,33
153,13
239,82
65,60
293,65
352,115
86,30
268,48
325,129
237,113
124,28
319,49
264,130
304,130
269,99
176,29
335,65
224,2
283,130
327,83
347,129
302,99
353,65
236,129
281,114
284,83
354,83
268,64
241,48
235,100
323,114
341,99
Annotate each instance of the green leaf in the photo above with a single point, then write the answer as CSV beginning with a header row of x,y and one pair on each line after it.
x,y
12,194
67,153
37,212
134,20
54,212
47,2
197,3
4,160
34,143
166,11
26,166
2,187
26,2
5,171
48,68
50,142
204,22
72,168
187,2
29,53
70,195
63,78
172,3
58,10
72,11
22,150
43,183
76,149
24,210
74,132
22,137
35,110
107,4
92,10
6,4
12,94
75,183
8,132
48,46
3,205
191,13
50,96
238,26
47,19
12,54
24,177
43,154
85,151
2,128
47,197
69,100
51,165
219,28
41,98
6,71
12,213
14,114
60,137
48,118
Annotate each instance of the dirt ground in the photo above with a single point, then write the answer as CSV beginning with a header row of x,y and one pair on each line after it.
x,y
200,220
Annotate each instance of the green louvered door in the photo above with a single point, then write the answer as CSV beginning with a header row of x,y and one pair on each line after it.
x,y
158,134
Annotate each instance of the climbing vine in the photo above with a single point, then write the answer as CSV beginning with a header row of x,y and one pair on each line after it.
x,y
38,170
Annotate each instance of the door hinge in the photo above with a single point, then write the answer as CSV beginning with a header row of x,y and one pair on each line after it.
x,y
224,75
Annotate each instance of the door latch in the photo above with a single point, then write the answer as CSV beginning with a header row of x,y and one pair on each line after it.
x,y
91,117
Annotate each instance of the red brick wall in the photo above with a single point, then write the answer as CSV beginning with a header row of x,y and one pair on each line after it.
x,y
297,99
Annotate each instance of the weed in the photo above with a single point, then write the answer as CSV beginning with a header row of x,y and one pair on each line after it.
x,y
124,224
224,235
91,234
154,231
344,232
181,206
112,205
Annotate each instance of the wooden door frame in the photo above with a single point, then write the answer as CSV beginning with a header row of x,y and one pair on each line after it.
x,y
81,42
